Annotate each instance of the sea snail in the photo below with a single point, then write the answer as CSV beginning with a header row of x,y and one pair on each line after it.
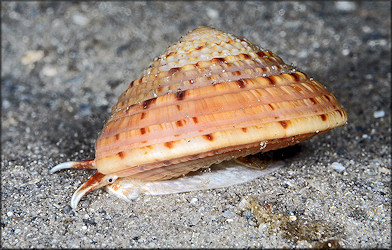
x,y
209,98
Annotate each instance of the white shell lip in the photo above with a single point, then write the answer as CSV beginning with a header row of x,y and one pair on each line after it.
x,y
221,175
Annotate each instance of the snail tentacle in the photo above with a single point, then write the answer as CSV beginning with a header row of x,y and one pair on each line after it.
x,y
86,164
96,181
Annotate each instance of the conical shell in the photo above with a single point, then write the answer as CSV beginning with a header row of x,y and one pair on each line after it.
x,y
211,97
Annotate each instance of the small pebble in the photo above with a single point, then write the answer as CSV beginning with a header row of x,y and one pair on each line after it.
x,y
262,228
49,71
212,13
379,114
84,110
5,104
338,167
292,218
80,19
9,214
247,214
32,56
34,181
194,200
244,203
345,52
303,54
68,209
228,213
345,6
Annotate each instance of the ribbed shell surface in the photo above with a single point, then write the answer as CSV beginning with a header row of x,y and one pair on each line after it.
x,y
208,98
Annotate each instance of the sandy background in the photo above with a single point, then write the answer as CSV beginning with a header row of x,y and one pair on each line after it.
x,y
64,65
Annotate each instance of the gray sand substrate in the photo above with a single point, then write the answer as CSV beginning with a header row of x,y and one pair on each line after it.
x,y
64,65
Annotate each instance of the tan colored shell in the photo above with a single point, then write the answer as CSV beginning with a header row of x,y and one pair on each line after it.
x,y
210,97
210,94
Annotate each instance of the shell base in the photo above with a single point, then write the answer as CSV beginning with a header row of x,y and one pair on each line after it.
x,y
220,175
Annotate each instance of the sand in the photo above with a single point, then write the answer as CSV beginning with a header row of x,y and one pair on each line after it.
x,y
64,65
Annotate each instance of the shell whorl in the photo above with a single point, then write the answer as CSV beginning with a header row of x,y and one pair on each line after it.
x,y
200,45
209,97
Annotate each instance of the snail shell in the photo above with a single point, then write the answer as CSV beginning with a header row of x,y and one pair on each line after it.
x,y
210,97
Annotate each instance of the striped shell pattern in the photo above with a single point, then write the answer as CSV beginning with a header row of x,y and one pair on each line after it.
x,y
209,98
